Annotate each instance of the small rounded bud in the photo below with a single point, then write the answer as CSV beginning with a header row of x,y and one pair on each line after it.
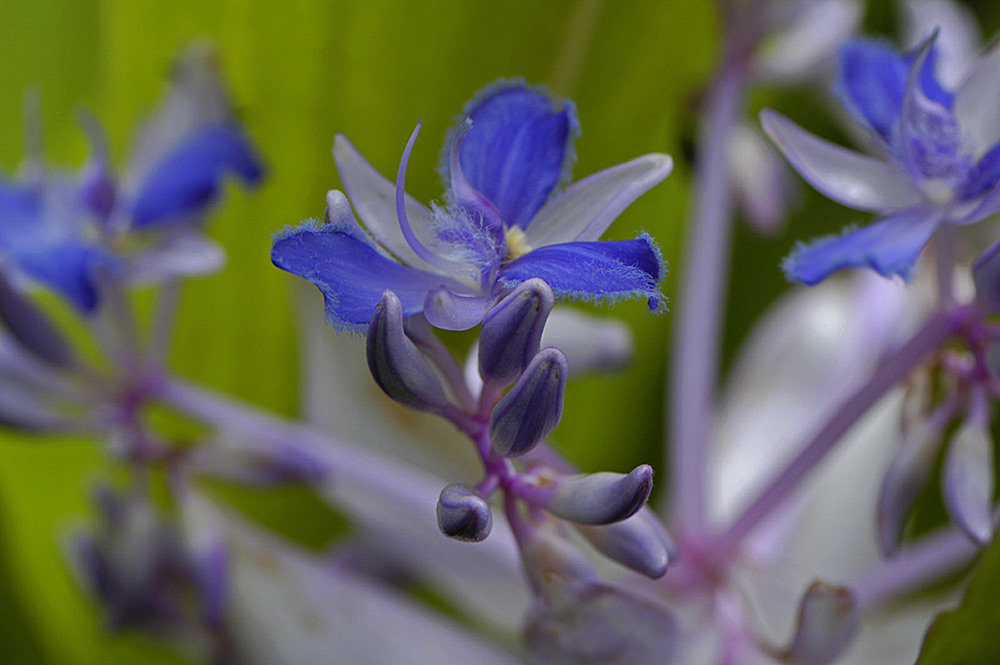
x,y
533,407
463,514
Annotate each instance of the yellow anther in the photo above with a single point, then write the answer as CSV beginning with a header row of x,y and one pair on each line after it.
x,y
517,245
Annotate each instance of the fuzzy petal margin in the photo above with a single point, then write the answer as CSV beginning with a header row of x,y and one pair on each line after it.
x,y
889,247
351,272
595,271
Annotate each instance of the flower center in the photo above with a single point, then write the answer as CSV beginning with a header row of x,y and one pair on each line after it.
x,y
517,245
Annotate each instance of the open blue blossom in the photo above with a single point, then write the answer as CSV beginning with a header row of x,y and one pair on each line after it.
x,y
59,229
939,157
502,222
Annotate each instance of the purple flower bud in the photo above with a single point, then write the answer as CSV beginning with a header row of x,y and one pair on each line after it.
x,y
907,474
640,542
827,621
986,276
463,514
532,409
601,498
968,481
32,328
512,332
396,364
211,572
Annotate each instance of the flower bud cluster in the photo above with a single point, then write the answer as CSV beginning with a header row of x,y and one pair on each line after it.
x,y
513,404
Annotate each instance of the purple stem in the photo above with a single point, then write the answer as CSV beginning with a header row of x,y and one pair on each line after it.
x,y
926,561
694,353
935,331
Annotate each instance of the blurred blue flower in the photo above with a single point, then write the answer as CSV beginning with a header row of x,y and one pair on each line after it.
x,y
503,221
60,229
939,157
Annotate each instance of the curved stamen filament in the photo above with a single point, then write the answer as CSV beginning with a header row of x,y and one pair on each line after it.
x,y
404,223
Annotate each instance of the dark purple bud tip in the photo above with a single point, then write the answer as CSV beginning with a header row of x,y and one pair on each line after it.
x,y
601,498
32,328
512,331
639,542
463,514
396,364
532,409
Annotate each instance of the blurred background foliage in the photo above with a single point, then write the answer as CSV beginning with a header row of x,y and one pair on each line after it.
x,y
301,71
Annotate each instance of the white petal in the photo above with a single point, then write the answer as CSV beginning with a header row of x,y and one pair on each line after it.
x,y
976,107
591,343
845,176
294,608
374,201
183,253
587,208
811,39
968,482
958,39
763,182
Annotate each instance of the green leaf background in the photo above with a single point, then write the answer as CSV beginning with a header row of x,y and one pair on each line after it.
x,y
301,71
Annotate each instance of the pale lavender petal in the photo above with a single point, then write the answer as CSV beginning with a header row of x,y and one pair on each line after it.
x,y
808,42
958,39
976,107
910,469
588,207
967,482
580,622
178,252
843,175
827,622
590,343
374,201
448,310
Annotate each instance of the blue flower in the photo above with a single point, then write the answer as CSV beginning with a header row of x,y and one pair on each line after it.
x,y
60,229
503,221
939,158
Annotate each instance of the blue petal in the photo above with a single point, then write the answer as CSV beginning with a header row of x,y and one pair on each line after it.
x,y
518,148
67,268
871,80
350,272
187,178
21,212
983,177
594,270
889,247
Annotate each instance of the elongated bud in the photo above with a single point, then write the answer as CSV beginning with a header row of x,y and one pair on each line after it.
x,y
986,276
639,542
903,481
463,514
396,364
601,498
512,332
532,409
827,621
968,482
32,328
